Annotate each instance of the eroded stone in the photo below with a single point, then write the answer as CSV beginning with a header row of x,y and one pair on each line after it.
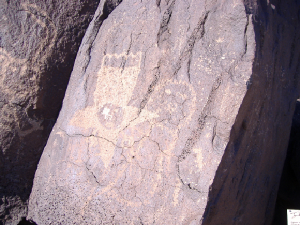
x,y
144,127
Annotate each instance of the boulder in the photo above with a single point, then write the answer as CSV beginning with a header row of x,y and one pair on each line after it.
x,y
38,45
177,112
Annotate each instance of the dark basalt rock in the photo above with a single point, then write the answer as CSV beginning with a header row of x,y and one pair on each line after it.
x,y
177,112
38,44
288,196
246,183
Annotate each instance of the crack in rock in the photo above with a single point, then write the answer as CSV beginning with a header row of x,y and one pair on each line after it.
x,y
165,21
197,34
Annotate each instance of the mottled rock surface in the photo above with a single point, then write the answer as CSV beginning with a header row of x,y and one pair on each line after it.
x,y
145,132
147,115
38,45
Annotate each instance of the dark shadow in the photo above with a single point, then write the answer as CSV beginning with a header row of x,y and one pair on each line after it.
x,y
26,222
21,145
245,185
288,196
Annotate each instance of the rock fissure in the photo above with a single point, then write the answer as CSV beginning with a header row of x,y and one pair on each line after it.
x,y
197,34
159,148
67,161
164,23
186,184
201,121
150,90
245,37
214,133
87,166
189,144
124,59
89,136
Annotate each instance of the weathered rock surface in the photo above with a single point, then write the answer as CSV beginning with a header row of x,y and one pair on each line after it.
x,y
173,115
247,180
38,45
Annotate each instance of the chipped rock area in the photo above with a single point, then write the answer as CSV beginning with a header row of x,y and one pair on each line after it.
x,y
147,114
38,45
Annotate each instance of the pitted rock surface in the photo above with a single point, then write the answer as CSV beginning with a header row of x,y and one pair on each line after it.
x,y
38,44
145,132
147,115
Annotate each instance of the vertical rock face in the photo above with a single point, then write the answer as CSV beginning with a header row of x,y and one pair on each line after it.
x,y
145,132
246,182
38,44
288,196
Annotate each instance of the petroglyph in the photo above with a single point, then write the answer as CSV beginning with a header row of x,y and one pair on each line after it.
x,y
139,107
42,24
116,81
126,141
146,143
146,147
12,65
43,20
20,70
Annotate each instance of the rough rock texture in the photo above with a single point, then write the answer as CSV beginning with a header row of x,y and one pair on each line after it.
x,y
38,45
145,132
288,196
245,186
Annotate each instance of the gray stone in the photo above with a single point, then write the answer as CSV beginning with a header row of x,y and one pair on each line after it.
x,y
173,115
38,45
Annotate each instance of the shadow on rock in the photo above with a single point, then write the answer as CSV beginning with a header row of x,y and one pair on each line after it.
x,y
288,196
26,222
